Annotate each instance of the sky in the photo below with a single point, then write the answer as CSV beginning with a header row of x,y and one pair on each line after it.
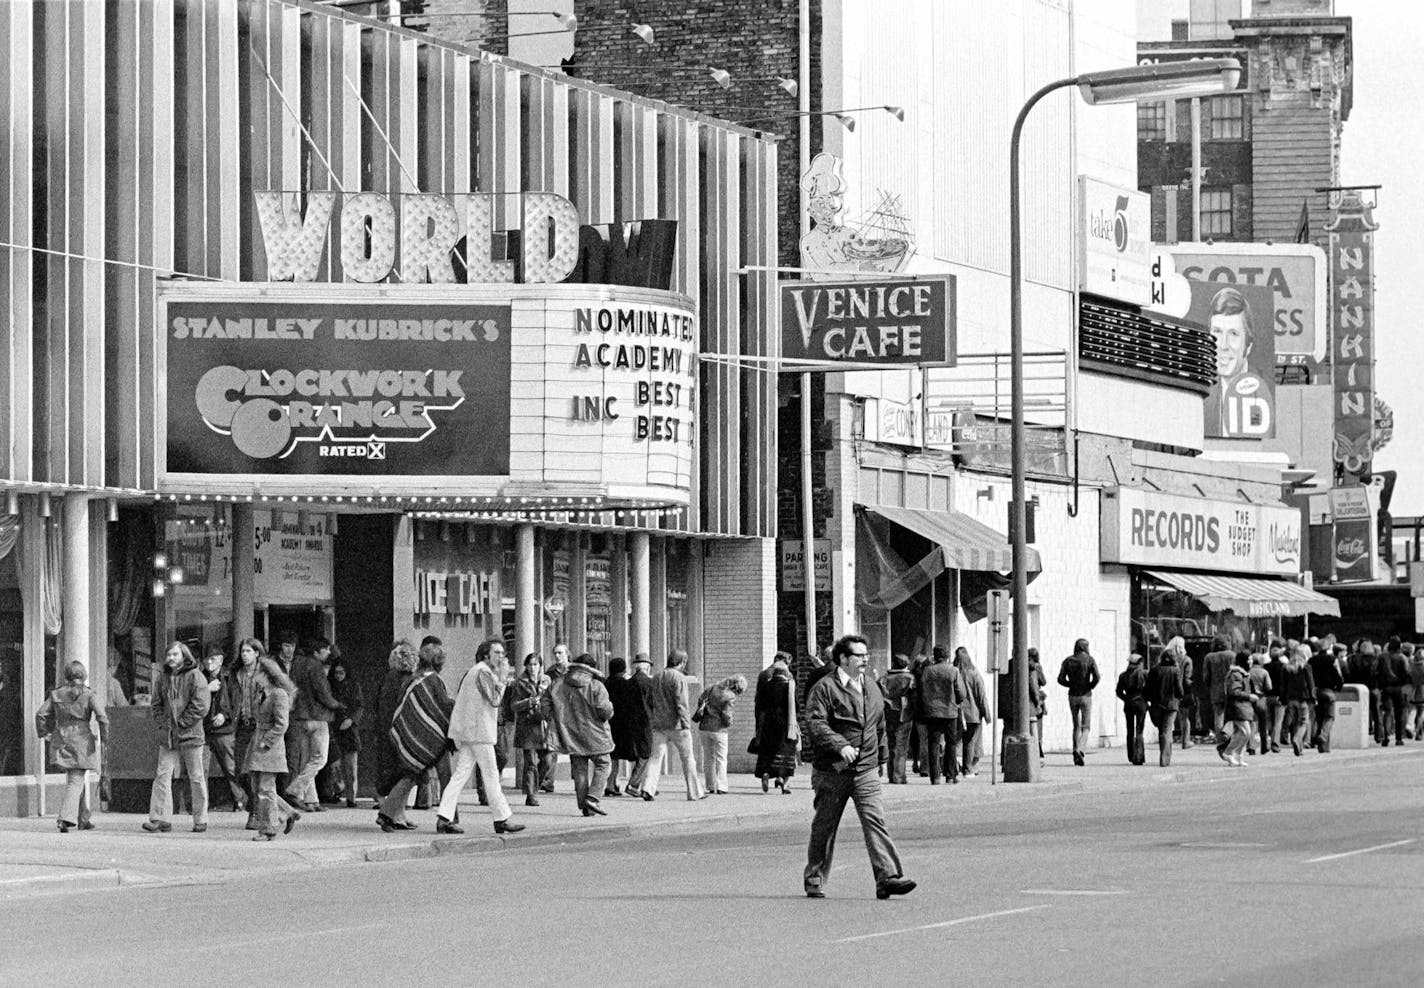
x,y
1378,147
1381,145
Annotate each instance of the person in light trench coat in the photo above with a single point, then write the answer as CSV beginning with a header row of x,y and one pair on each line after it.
x,y
66,718
267,755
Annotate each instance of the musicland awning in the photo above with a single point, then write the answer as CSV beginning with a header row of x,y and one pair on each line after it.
x,y
959,542
1250,596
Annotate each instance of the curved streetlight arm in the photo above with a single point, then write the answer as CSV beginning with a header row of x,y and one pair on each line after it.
x,y
1018,437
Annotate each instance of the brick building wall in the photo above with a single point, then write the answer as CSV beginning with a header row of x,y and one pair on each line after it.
x,y
739,581
1296,95
755,41
480,24
1296,110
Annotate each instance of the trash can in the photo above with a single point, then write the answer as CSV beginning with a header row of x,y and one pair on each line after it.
x,y
1352,717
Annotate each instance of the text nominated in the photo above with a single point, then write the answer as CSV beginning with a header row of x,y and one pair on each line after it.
x,y
637,341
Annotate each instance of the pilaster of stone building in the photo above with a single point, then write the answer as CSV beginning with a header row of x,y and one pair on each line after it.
x,y
1300,87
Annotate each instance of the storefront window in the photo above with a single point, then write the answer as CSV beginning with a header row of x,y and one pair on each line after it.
x,y
598,609
195,574
131,575
1161,613
677,562
555,601
12,654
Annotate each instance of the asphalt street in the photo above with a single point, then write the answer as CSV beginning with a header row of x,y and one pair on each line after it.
x,y
1264,878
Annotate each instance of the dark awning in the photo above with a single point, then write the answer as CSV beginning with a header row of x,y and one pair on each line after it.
x,y
1249,596
959,542
966,543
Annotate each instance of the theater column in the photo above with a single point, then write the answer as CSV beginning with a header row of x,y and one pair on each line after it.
x,y
638,550
243,548
77,592
576,608
658,643
618,594
526,600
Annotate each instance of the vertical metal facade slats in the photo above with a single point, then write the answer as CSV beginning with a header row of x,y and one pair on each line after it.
x,y
89,333
679,190
51,295
405,129
17,80
759,239
156,217
222,102
291,150
255,120
462,133
721,312
591,155
121,242
135,134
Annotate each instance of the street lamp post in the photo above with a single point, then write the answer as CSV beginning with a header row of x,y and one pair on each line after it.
x,y
1197,77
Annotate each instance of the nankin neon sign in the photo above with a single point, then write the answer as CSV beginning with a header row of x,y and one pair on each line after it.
x,y
442,239
1352,308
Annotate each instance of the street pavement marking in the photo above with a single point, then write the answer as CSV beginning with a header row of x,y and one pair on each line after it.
x,y
1223,844
940,926
1363,850
1073,892
267,938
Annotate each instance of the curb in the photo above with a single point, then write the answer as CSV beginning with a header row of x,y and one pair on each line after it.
x,y
434,847
450,846
52,884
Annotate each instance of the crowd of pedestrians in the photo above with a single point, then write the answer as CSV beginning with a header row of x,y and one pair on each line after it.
x,y
284,729
1257,701
936,709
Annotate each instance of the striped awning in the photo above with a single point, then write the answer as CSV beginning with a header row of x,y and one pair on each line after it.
x,y
965,543
1249,596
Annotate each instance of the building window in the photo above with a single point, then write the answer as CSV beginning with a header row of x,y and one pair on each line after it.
x,y
1152,121
1226,118
1216,213
1180,30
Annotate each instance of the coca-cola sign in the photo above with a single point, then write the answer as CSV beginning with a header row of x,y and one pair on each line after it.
x,y
1353,559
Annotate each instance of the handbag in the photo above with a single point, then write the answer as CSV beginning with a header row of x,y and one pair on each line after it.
x,y
419,726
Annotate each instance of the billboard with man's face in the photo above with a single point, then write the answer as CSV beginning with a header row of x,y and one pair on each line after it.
x,y
1242,403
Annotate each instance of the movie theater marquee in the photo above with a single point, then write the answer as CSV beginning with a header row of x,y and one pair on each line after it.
x,y
451,390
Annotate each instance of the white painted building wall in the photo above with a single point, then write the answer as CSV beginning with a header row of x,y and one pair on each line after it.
x,y
961,71
1072,598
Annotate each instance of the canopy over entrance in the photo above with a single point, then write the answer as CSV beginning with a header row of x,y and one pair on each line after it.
x,y
1250,596
958,542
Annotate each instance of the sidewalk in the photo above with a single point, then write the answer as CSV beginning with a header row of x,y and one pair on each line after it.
x,y
36,859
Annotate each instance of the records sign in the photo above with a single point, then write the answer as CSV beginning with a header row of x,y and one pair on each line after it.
x,y
1352,321
1149,528
276,385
